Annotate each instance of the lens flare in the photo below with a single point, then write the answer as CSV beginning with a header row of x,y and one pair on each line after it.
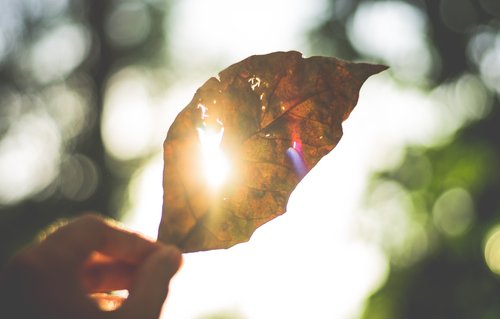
x,y
296,156
215,163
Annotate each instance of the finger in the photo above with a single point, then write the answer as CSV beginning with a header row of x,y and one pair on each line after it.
x,y
107,276
78,239
38,290
101,273
150,287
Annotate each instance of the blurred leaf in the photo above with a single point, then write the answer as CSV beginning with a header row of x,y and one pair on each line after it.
x,y
273,117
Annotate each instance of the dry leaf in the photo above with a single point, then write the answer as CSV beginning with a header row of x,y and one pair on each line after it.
x,y
236,152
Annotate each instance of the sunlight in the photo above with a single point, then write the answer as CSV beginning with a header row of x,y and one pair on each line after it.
x,y
128,118
58,52
23,170
333,257
328,271
215,163
394,32
232,30
491,249
254,82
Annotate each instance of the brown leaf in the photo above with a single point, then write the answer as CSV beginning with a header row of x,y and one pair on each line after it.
x,y
273,117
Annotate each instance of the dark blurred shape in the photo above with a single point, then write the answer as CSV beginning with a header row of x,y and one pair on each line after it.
x,y
121,32
448,193
79,177
55,60
458,15
491,6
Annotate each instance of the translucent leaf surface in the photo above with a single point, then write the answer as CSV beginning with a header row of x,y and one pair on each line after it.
x,y
238,149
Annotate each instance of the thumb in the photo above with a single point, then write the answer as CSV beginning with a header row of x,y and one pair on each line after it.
x,y
150,287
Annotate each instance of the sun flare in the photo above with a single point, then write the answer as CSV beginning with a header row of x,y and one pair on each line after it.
x,y
215,163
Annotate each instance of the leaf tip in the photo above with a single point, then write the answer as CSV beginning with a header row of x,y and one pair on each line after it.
x,y
380,67
372,69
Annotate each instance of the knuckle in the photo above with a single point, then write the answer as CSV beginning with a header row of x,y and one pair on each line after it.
x,y
91,217
91,220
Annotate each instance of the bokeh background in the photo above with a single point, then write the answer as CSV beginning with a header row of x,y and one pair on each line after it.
x,y
401,220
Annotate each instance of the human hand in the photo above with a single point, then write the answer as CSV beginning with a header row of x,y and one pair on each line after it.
x,y
53,279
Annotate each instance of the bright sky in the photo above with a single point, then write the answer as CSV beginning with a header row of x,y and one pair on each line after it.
x,y
309,263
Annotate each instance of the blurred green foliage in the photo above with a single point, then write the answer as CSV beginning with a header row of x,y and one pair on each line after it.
x,y
447,194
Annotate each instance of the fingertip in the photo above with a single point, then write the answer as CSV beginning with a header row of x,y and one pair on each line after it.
x,y
167,260
171,256
152,281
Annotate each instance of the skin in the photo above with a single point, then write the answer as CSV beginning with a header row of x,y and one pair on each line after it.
x,y
53,278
